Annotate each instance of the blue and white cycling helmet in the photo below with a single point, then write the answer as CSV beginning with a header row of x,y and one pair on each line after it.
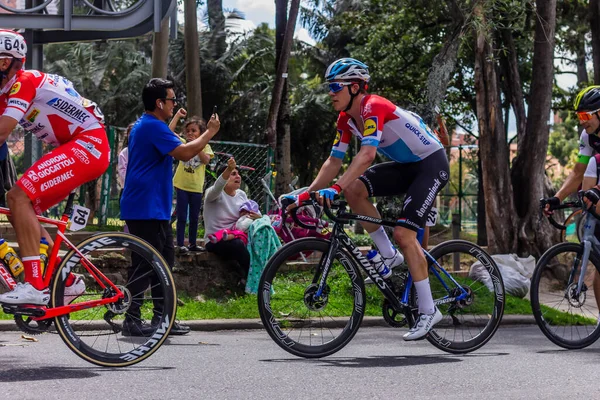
x,y
347,69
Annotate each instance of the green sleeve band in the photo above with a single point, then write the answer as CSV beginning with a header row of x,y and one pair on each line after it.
x,y
583,159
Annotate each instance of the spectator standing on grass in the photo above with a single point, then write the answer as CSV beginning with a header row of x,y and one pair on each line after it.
x,y
148,192
189,183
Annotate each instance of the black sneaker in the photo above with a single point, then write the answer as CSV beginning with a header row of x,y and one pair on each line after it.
x,y
176,330
195,248
137,328
179,330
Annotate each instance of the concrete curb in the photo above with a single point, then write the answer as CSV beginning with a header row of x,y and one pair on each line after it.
x,y
210,325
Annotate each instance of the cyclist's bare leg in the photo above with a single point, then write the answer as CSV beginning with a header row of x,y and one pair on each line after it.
x,y
44,233
413,253
358,200
25,222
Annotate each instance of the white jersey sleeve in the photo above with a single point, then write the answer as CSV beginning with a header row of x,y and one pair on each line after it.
x,y
591,170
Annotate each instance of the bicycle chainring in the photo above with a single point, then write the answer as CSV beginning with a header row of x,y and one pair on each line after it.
x,y
27,325
392,317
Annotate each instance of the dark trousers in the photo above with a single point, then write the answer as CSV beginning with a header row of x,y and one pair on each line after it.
x,y
188,201
232,250
141,276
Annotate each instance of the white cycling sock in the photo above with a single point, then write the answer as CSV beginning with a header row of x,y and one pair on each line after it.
x,y
383,243
424,297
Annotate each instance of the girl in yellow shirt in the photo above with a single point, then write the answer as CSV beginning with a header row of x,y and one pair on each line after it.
x,y
189,185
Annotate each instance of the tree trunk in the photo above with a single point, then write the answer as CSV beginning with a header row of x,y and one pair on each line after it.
x,y
528,172
481,230
192,60
281,74
514,84
582,72
500,223
282,153
216,22
283,158
595,25
160,50
443,65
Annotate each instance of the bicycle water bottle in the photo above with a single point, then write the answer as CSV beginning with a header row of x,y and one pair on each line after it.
x,y
377,261
10,258
43,254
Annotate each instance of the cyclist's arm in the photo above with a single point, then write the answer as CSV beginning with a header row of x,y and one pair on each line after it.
x,y
358,166
328,171
7,125
573,181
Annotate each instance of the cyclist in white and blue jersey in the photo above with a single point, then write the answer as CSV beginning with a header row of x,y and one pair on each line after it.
x,y
419,169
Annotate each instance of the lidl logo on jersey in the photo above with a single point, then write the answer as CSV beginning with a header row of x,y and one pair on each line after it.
x,y
15,88
33,115
338,137
68,109
370,127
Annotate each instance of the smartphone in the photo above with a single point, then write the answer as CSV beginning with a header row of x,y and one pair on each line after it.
x,y
214,109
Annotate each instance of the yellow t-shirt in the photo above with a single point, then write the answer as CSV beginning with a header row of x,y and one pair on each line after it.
x,y
189,175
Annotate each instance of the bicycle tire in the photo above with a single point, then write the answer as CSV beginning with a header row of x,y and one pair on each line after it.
x,y
75,329
479,291
278,275
547,278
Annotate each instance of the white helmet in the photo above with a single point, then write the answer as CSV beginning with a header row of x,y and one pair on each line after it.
x,y
12,44
347,69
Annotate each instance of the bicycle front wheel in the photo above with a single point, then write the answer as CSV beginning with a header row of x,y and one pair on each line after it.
x,y
470,322
296,317
97,334
569,319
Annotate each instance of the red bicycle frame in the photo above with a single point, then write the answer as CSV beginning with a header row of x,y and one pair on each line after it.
x,y
101,279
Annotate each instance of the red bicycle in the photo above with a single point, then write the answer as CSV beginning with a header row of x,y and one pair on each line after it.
x,y
110,262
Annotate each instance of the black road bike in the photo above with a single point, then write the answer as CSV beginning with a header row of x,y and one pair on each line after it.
x,y
312,296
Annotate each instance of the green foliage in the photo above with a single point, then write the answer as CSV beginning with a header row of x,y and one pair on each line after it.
x,y
110,73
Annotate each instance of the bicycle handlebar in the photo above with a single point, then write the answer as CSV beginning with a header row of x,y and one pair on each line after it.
x,y
294,212
570,204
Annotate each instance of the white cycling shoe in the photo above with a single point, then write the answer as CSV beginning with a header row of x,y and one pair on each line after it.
x,y
76,289
391,263
25,293
423,325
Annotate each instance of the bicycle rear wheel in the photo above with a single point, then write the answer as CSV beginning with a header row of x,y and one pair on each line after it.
x,y
95,334
296,319
469,323
567,319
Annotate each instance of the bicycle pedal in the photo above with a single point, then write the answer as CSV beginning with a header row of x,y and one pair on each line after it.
x,y
27,311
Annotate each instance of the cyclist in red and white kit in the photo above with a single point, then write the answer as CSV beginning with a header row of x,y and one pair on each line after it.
x,y
419,169
48,107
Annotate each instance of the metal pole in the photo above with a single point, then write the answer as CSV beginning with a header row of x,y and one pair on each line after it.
x,y
67,13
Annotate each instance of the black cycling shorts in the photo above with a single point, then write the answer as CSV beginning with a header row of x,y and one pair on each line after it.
x,y
421,181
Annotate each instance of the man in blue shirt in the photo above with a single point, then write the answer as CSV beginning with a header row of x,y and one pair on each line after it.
x,y
148,192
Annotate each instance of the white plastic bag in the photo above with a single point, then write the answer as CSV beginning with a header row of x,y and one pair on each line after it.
x,y
515,273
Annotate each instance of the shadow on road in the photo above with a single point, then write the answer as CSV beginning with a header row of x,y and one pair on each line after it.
x,y
564,351
60,372
387,361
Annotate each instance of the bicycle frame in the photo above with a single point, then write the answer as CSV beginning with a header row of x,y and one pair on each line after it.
x,y
39,313
590,243
339,236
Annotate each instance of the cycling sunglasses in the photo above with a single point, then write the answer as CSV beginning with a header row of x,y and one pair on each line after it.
x,y
586,115
335,87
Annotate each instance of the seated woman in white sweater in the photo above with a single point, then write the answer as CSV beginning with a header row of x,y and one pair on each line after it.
x,y
222,203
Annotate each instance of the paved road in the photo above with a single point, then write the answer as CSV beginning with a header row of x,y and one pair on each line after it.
x,y
518,363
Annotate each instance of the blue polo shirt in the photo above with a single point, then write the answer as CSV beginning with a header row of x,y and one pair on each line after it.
x,y
148,190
